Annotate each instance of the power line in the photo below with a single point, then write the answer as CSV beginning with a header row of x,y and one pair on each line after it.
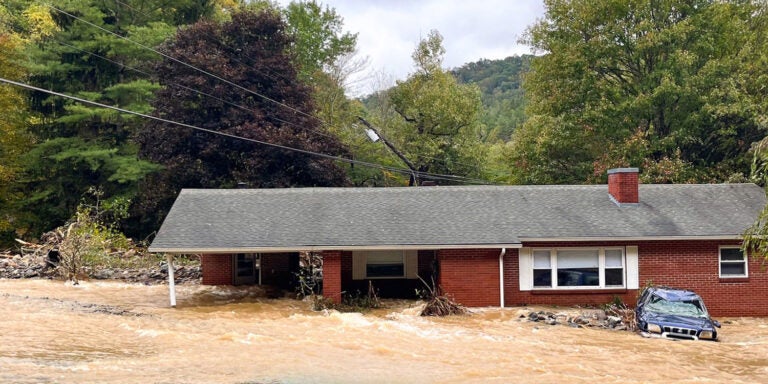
x,y
424,175
315,131
400,170
190,88
169,57
322,122
401,155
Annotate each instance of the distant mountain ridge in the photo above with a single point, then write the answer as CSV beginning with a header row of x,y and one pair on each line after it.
x,y
500,82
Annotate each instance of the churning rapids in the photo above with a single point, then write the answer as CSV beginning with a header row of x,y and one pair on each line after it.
x,y
106,332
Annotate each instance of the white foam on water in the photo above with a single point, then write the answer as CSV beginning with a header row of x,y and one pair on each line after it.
x,y
150,332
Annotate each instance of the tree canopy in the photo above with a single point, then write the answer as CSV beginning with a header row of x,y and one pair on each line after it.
x,y
674,87
261,99
438,126
54,150
658,85
318,39
98,52
15,139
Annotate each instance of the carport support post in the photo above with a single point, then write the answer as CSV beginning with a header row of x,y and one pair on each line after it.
x,y
332,275
171,282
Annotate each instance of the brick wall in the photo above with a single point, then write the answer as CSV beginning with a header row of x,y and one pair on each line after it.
x,y
512,292
690,265
216,269
695,266
470,276
332,275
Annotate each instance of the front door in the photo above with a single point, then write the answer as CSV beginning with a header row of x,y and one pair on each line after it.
x,y
246,268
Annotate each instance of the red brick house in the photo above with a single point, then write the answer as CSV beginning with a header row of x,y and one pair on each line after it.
x,y
486,245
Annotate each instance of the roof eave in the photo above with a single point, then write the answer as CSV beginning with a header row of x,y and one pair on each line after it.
x,y
318,248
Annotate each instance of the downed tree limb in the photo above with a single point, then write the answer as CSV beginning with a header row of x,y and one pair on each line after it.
x,y
25,243
443,306
439,304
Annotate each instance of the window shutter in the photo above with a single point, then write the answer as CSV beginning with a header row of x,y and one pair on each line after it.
x,y
411,264
358,265
633,270
526,269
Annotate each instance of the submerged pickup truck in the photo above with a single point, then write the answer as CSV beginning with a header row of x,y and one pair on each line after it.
x,y
674,313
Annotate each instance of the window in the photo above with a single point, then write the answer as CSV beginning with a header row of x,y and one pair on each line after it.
x,y
614,267
385,264
733,262
542,269
578,268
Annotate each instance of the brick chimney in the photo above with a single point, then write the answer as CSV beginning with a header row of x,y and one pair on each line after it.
x,y
623,185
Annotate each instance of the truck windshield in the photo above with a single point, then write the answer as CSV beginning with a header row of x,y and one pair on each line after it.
x,y
682,308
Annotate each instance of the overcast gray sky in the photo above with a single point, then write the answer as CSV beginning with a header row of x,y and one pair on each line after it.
x,y
388,31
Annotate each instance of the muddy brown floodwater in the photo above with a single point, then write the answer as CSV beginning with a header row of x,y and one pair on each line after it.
x,y
105,332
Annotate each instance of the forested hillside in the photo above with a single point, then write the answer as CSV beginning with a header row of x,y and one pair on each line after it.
x,y
501,87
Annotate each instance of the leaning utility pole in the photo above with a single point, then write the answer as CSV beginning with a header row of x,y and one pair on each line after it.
x,y
399,154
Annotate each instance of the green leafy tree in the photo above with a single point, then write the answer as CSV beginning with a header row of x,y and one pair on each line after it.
x,y
754,78
672,74
80,146
20,26
252,50
318,39
437,127
326,57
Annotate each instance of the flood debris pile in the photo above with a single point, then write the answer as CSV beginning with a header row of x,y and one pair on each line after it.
x,y
90,246
32,264
608,318
17,266
442,305
437,302
185,274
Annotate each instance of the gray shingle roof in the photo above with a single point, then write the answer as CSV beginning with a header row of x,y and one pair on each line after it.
x,y
326,218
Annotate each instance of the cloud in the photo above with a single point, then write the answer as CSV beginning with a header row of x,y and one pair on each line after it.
x,y
388,31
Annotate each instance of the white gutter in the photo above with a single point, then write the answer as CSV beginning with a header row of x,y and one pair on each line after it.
x,y
629,238
501,277
310,248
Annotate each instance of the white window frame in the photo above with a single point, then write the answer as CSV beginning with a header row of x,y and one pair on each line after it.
x,y
400,253
360,264
720,262
601,268
533,266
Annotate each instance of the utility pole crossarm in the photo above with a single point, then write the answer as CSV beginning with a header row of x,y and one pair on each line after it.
x,y
399,154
